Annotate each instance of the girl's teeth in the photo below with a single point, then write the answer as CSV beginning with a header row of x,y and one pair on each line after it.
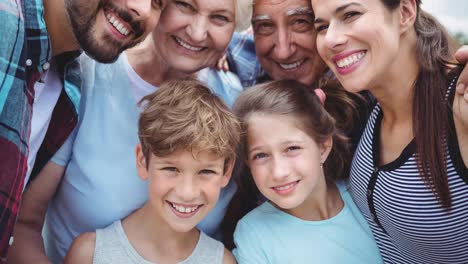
x,y
282,188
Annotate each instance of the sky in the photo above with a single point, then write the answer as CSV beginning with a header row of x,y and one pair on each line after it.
x,y
453,14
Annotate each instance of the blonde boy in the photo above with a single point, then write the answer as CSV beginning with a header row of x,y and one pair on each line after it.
x,y
186,153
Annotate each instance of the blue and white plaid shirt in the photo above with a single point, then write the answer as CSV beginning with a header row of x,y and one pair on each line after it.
x,y
243,61
25,53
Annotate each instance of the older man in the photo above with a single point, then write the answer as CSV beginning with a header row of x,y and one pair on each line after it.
x,y
40,82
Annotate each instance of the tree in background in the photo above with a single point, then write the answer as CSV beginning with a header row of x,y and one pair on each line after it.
x,y
461,37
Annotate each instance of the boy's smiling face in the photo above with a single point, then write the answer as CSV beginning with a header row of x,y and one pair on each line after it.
x,y
183,186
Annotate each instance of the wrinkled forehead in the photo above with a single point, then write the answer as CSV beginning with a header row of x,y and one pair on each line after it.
x,y
274,9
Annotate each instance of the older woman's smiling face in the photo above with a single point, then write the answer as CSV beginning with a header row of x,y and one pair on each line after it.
x,y
193,34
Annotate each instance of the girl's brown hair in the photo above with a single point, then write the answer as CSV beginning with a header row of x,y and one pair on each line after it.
x,y
283,97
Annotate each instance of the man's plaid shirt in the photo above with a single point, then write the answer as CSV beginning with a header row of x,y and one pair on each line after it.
x,y
25,53
243,61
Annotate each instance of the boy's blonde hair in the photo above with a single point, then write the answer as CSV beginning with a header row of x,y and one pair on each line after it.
x,y
184,114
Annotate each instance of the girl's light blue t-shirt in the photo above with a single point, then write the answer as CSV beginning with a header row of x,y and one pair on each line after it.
x,y
269,235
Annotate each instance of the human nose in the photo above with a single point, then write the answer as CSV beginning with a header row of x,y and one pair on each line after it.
x,y
284,46
140,8
198,29
281,168
334,37
187,189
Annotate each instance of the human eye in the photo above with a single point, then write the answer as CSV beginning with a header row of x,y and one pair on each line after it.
x,y
208,172
259,156
302,24
169,169
184,6
264,28
321,27
350,14
293,148
157,3
220,19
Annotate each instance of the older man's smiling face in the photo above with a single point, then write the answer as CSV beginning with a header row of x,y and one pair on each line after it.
x,y
285,40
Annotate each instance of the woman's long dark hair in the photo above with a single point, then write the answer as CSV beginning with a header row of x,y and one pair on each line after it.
x,y
284,97
435,49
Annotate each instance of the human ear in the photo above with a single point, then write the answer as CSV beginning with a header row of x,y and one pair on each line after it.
x,y
408,13
142,169
325,149
228,172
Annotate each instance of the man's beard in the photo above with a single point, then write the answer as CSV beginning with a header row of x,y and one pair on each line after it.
x,y
83,22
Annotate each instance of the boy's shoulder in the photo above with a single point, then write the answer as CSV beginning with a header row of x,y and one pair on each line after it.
x,y
209,250
228,258
82,249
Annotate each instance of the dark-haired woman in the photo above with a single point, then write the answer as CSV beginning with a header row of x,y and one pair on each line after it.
x,y
409,175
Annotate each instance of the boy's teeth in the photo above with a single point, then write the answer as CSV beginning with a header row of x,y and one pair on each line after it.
x,y
186,45
291,65
183,209
350,60
117,25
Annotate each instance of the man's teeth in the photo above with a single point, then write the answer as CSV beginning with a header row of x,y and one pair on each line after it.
x,y
291,65
350,60
282,188
117,25
186,45
183,209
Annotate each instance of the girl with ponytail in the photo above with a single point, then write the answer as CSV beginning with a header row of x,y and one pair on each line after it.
x,y
298,162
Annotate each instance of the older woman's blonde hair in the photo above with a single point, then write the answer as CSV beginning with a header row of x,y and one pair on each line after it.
x,y
243,14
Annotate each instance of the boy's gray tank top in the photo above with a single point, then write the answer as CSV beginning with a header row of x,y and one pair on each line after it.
x,y
113,246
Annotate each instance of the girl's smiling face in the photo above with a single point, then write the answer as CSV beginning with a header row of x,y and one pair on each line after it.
x,y
285,161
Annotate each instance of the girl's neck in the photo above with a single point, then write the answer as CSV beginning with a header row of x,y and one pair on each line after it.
x,y
154,240
321,205
149,65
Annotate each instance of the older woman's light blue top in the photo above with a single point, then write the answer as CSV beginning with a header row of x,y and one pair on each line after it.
x,y
101,184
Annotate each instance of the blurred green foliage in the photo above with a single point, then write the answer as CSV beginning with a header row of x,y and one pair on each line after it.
x,y
461,37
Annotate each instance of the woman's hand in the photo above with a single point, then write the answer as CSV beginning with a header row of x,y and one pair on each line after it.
x,y
462,57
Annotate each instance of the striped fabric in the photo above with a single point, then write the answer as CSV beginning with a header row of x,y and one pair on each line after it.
x,y
408,222
24,50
